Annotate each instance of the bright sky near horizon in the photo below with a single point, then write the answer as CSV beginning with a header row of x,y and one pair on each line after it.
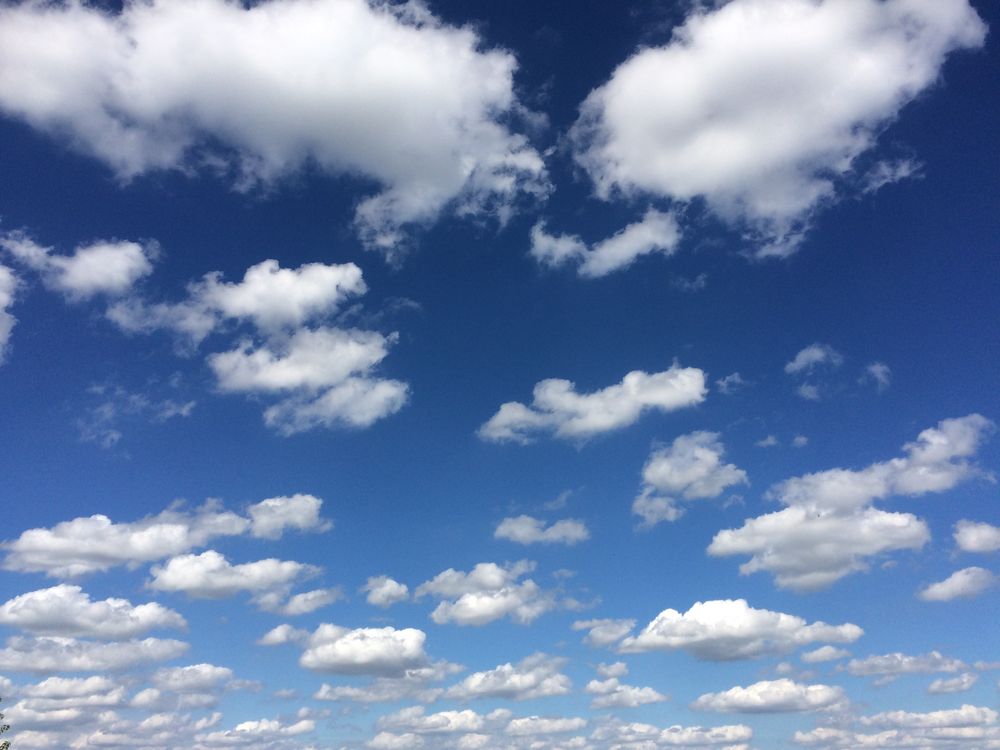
x,y
516,376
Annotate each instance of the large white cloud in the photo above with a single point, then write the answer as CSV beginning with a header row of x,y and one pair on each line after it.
x,y
966,583
617,733
977,537
47,655
897,663
387,92
96,543
965,727
415,719
830,527
764,107
378,651
486,593
727,629
656,232
558,408
772,696
66,610
210,575
536,676
109,267
691,468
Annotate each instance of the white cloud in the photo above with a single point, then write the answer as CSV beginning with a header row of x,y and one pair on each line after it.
x,y
195,678
383,91
378,651
800,441
727,629
414,719
528,530
611,693
656,232
66,610
96,543
823,654
282,634
558,408
298,604
967,583
731,383
617,733
813,356
899,663
257,732
830,527
880,373
412,684
691,468
809,392
355,402
965,727
767,442
391,741
109,267
534,725
604,632
50,654
486,593
384,591
210,575
763,107
8,288
960,684
773,696
270,518
536,676
977,537
965,716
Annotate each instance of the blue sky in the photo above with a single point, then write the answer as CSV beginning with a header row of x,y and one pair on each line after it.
x,y
474,375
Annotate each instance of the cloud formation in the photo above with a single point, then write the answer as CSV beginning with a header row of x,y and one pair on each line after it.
x,y
529,530
773,696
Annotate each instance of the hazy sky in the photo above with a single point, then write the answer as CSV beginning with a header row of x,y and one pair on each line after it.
x,y
505,375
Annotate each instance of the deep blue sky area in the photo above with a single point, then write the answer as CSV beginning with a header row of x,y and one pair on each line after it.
x,y
772,429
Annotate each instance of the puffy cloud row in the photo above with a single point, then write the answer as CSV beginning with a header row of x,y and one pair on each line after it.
x,y
830,527
965,727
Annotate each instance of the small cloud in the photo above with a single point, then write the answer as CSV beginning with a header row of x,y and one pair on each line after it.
x,y
731,383
768,442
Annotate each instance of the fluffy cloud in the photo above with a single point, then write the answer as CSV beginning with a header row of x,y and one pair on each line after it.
x,y
48,655
211,576
270,518
558,408
109,267
412,684
830,527
383,91
691,468
95,543
529,530
812,357
66,610
728,629
959,684
415,720
611,693
635,734
196,678
533,725
657,232
765,108
891,665
962,584
772,696
536,676
379,651
604,632
823,654
384,591
977,537
967,726
880,373
486,593
8,287
257,732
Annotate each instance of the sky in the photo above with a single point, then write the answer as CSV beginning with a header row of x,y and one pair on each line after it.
x,y
516,376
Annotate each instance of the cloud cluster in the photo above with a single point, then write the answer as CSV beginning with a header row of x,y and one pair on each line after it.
x,y
386,92
966,726
486,593
609,692
691,468
96,543
728,629
829,526
656,232
765,109
359,651
529,530
536,676
559,409
773,696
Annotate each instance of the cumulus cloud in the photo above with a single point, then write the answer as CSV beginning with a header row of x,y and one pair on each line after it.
x,y
558,408
387,92
765,109
537,676
895,664
879,373
110,267
384,591
604,632
824,654
813,356
46,655
534,725
96,543
691,468
728,629
772,696
960,684
8,288
656,232
967,583
416,720
829,526
66,610
616,733
270,518
966,726
374,651
611,693
486,593
195,678
977,537
529,530
412,684
210,575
